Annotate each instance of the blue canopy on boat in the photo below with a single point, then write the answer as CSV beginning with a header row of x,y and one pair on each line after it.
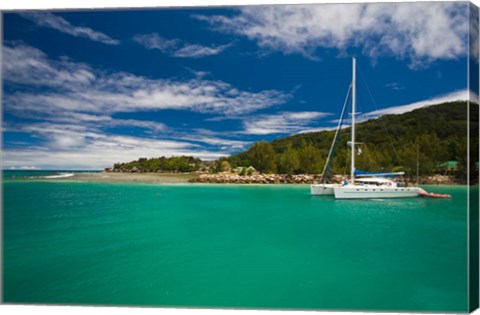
x,y
360,173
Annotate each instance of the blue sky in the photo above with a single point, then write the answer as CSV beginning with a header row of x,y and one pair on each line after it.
x,y
86,89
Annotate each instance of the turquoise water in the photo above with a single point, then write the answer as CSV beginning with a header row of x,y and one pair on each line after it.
x,y
271,246
38,174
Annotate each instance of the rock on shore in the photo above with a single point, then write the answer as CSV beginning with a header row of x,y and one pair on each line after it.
x,y
439,180
256,179
227,178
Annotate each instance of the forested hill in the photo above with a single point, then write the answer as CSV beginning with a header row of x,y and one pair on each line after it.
x,y
389,143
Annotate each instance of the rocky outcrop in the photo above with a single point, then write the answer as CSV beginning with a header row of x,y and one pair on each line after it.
x,y
256,179
438,180
431,180
303,179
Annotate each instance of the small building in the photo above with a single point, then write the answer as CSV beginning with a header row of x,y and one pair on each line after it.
x,y
135,169
447,167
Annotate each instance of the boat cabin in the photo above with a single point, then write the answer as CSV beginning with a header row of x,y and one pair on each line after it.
x,y
376,181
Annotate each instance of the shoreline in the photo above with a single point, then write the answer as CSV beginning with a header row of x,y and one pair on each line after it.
x,y
121,178
219,178
228,178
139,178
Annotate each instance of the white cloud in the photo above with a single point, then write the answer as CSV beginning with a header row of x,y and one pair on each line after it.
x,y
74,106
395,86
178,48
421,32
77,89
224,144
450,97
154,41
29,66
283,123
47,19
474,34
97,155
215,138
198,51
461,95
23,167
79,147
308,130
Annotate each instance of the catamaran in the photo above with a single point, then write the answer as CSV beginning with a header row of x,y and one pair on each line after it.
x,y
362,185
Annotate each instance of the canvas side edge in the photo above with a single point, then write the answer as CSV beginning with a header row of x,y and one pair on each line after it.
x,y
472,158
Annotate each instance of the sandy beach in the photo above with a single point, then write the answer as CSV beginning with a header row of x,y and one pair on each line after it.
x,y
222,178
147,178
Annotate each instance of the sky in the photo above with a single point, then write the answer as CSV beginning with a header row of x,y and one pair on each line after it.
x,y
86,89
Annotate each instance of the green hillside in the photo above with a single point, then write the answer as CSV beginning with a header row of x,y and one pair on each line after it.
x,y
389,143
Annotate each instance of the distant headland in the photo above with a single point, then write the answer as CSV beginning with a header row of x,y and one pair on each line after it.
x,y
432,139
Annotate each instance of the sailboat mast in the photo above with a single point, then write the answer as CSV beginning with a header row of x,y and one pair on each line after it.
x,y
354,95
418,165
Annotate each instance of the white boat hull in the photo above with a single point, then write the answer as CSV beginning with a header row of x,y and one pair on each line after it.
x,y
323,189
362,192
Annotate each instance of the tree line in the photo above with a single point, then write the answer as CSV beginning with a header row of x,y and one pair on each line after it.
x,y
427,136
162,164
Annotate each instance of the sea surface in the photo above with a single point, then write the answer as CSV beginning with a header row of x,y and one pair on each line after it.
x,y
41,174
231,246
